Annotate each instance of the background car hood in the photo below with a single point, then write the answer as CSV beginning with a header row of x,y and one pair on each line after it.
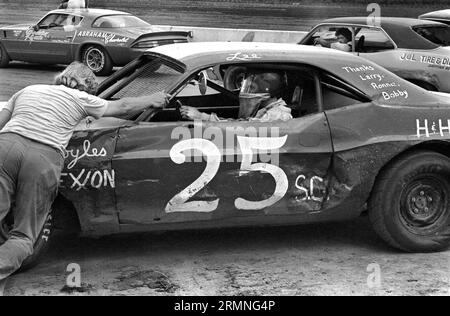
x,y
21,27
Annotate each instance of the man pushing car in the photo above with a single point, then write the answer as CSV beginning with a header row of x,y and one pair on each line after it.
x,y
35,128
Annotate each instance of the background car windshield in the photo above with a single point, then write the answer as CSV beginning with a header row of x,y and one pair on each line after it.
x,y
439,35
119,21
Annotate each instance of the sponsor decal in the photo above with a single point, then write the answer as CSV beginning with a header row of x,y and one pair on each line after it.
x,y
243,57
389,89
429,128
432,61
32,35
108,38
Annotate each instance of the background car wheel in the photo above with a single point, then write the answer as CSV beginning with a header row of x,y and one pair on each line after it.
x,y
40,247
410,204
98,60
4,57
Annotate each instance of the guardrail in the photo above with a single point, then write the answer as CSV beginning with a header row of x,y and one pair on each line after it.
x,y
203,34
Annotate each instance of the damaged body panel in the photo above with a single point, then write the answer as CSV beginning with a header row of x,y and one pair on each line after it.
x,y
157,171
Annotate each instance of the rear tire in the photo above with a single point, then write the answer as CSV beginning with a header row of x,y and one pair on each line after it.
x,y
4,57
98,60
410,204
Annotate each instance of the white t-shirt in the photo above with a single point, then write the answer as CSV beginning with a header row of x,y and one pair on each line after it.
x,y
342,47
49,114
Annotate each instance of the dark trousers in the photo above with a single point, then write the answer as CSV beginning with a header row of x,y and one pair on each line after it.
x,y
29,175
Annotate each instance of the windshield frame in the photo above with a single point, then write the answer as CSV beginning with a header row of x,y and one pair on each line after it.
x,y
114,84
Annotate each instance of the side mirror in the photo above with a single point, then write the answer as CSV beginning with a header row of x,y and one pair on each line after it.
x,y
203,82
36,28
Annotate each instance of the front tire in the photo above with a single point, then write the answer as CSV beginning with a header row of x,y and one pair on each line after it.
x,y
98,60
410,204
4,57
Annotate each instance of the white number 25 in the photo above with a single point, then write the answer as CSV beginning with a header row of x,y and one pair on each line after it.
x,y
247,144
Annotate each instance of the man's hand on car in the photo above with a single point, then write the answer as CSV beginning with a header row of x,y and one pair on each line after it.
x,y
159,100
191,113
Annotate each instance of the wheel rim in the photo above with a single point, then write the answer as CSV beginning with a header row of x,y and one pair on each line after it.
x,y
95,59
424,204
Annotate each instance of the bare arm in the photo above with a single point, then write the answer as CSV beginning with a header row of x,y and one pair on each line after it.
x,y
136,105
5,116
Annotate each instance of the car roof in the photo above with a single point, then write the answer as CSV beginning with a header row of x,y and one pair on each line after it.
x,y
200,53
437,15
399,29
92,13
385,21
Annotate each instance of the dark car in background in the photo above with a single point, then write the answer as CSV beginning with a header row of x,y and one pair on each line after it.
x,y
100,38
416,50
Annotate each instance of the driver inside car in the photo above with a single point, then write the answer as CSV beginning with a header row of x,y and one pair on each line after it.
x,y
344,41
259,100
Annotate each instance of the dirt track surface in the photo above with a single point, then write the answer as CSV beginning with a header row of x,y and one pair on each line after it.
x,y
325,259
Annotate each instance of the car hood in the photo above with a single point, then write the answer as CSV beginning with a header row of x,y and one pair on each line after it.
x,y
19,27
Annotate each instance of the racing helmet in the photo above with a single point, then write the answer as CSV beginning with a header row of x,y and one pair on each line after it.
x,y
261,81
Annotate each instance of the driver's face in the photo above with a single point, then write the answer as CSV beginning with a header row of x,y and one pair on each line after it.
x,y
342,39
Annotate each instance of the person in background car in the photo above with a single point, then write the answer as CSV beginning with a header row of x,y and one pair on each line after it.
x,y
74,4
35,128
344,41
259,100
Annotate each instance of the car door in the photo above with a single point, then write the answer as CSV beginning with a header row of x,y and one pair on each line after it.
x,y
179,172
53,41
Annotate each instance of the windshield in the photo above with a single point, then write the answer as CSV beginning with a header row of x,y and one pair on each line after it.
x,y
151,76
439,35
119,21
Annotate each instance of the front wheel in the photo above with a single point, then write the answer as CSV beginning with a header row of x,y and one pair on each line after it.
x,y
410,204
98,60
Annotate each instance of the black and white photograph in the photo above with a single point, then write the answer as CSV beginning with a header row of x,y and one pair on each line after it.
x,y
224,155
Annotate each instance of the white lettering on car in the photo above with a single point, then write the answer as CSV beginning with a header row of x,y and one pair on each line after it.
x,y
427,129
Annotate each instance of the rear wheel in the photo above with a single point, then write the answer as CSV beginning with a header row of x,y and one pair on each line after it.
x,y
410,204
98,60
4,57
